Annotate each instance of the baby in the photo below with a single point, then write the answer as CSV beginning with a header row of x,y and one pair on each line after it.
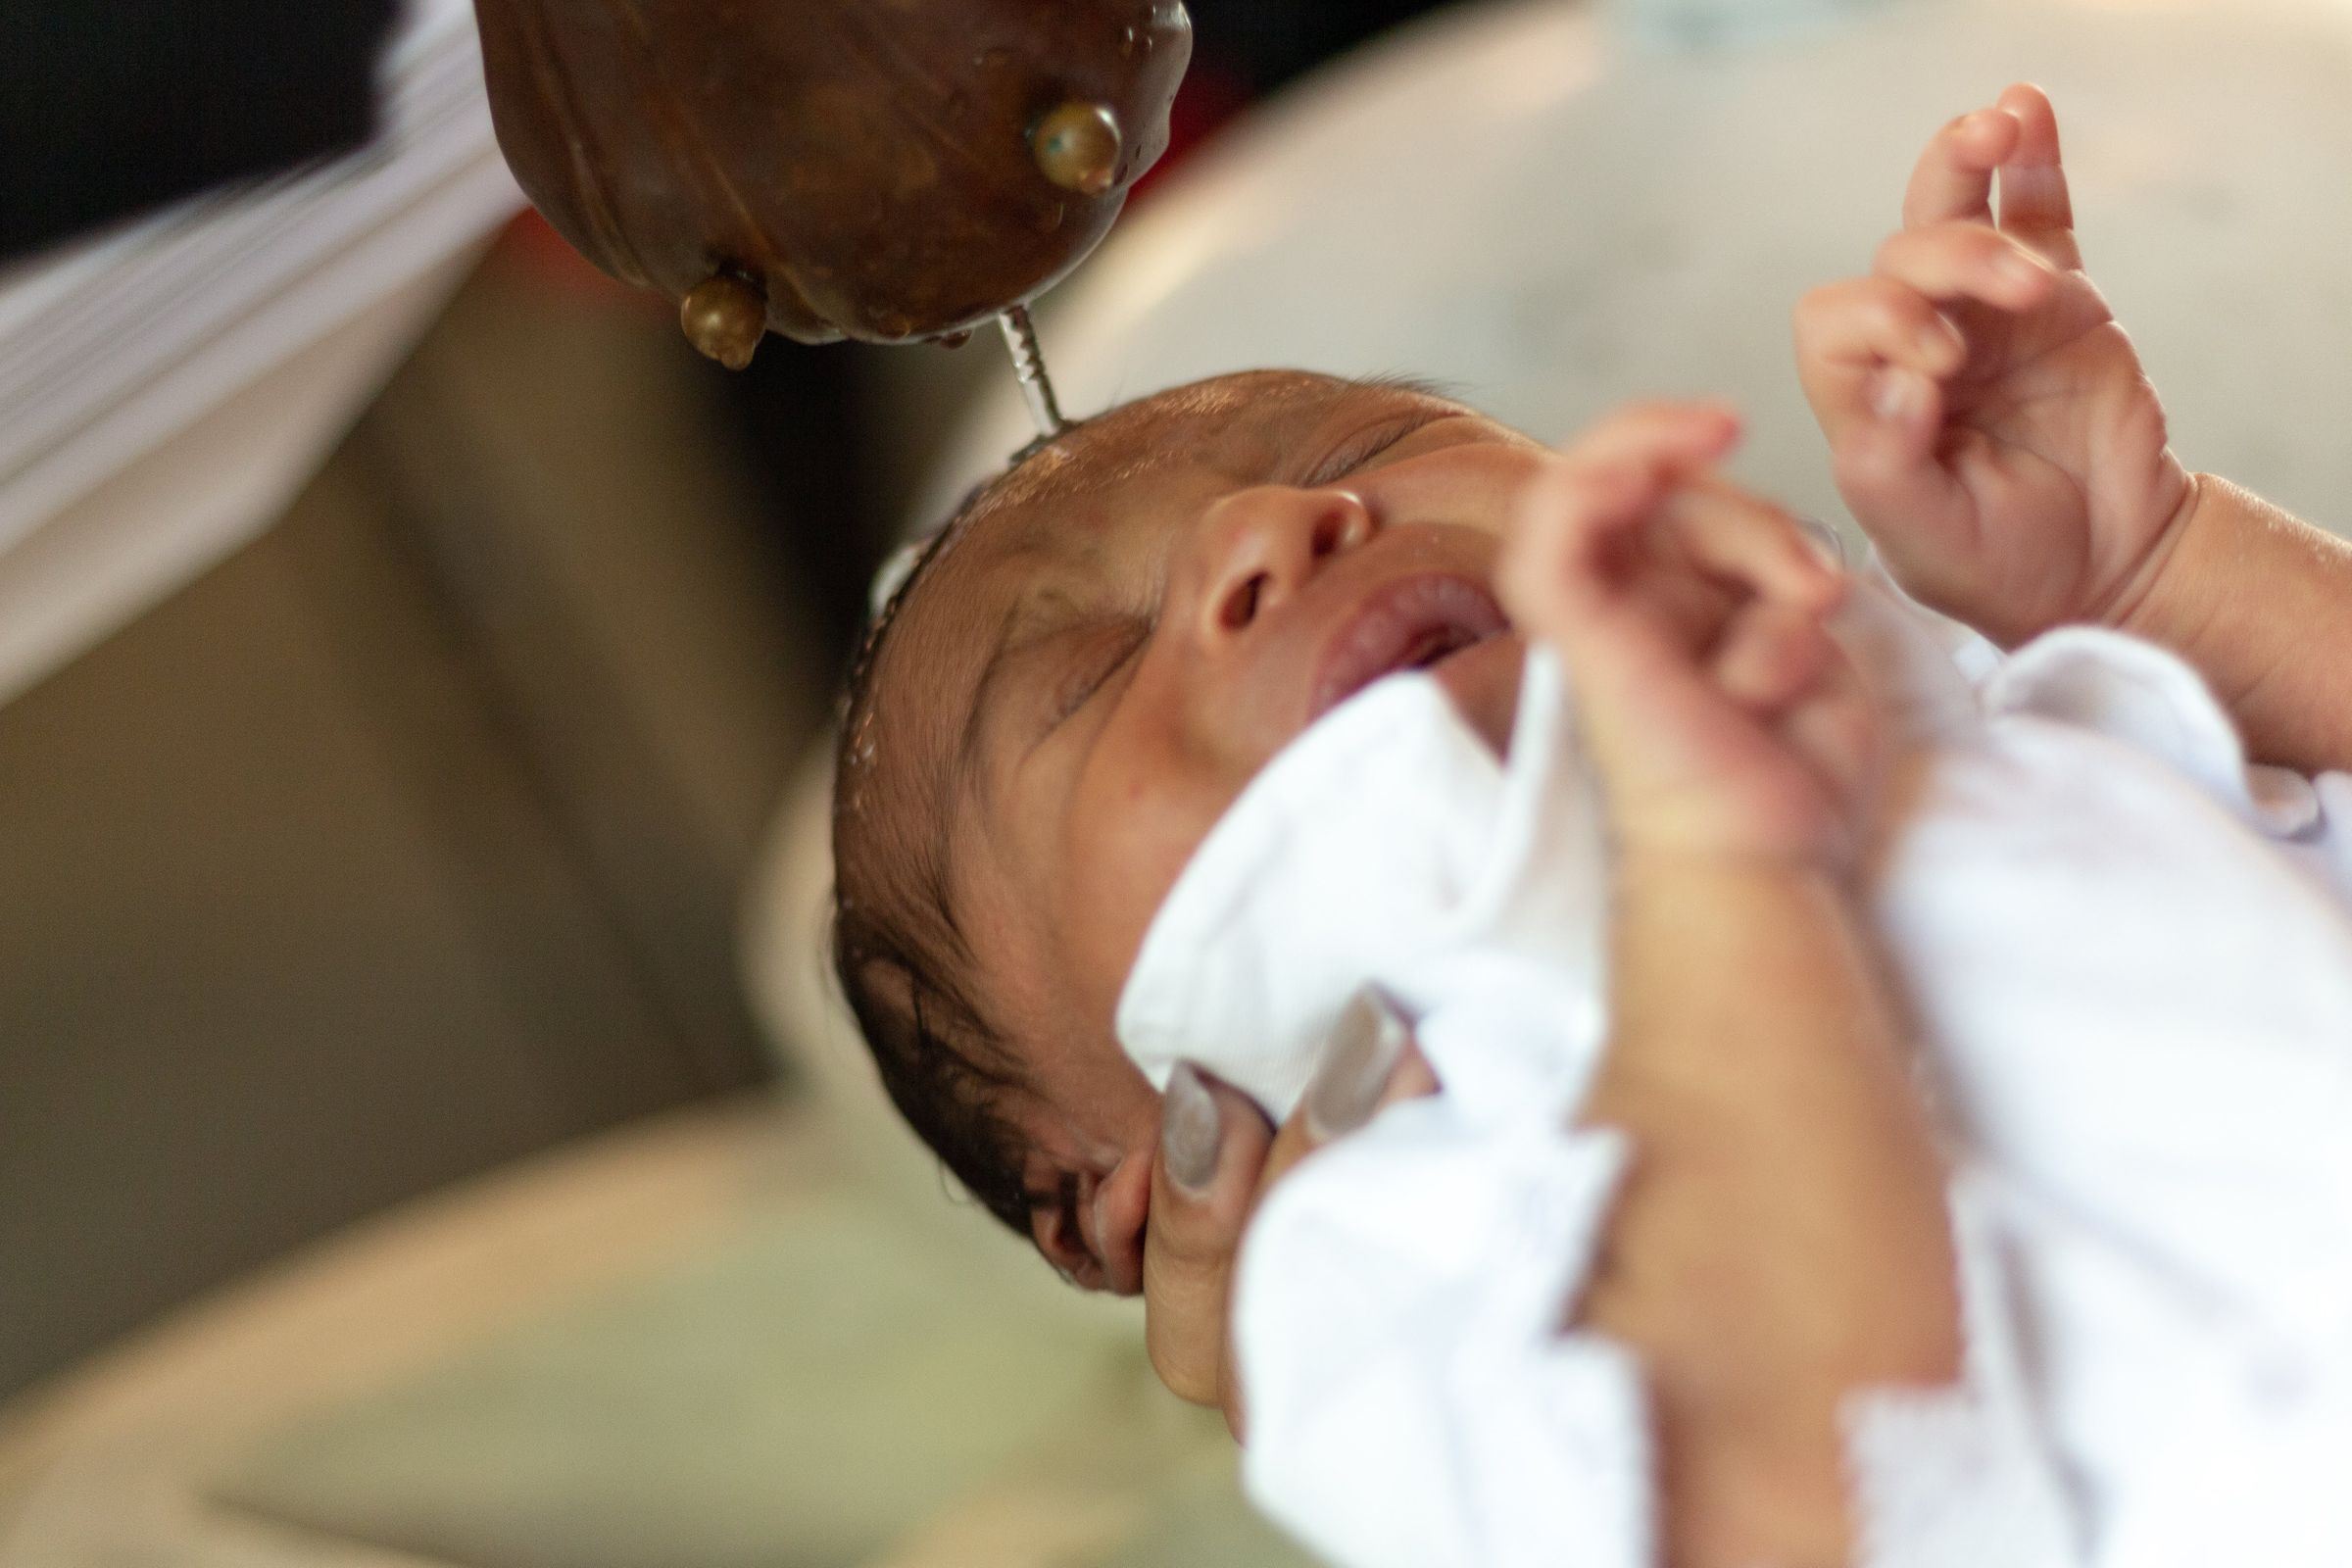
x,y
1115,652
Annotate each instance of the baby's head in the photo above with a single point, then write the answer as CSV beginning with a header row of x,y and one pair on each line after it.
x,y
1105,645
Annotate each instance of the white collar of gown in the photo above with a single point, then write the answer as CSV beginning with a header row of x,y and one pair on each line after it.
x,y
1382,841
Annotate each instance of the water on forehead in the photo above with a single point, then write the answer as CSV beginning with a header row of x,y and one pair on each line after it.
x,y
1189,425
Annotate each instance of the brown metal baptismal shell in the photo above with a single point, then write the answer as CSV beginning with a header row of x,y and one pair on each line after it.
x,y
867,169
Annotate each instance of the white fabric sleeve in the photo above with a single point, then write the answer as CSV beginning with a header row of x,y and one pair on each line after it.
x,y
1412,1401
1415,1400
1962,1476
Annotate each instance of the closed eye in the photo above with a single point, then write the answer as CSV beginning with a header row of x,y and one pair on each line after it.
x,y
1105,655
1362,447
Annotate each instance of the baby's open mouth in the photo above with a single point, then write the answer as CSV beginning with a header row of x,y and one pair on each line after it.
x,y
1413,623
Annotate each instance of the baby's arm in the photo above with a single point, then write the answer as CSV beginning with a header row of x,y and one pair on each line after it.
x,y
2261,602
1993,431
1782,1238
1782,1242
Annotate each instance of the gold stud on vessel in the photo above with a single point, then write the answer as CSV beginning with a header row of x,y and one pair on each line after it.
x,y
1077,147
725,317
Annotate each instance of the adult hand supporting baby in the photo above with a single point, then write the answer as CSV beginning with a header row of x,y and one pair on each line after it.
x,y
1994,432
1217,1159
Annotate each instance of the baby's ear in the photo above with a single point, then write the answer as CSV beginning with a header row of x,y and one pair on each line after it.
x,y
1061,1238
1094,1230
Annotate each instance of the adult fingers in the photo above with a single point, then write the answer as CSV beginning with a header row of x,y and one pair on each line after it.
x,y
2035,204
1953,178
1213,1145
1959,261
1847,331
1369,1063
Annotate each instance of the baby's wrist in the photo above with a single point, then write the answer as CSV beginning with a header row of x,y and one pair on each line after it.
x,y
1648,861
2254,599
1767,835
2151,597
1721,936
2207,584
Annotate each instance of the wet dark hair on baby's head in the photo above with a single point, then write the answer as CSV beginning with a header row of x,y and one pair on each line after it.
x,y
902,964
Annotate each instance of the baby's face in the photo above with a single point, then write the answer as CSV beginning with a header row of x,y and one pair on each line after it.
x,y
1127,629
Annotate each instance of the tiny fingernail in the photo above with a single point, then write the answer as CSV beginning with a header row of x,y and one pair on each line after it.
x,y
1894,397
2016,269
1188,1131
1357,1059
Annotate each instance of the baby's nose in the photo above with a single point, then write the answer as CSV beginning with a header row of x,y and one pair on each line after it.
x,y
1268,543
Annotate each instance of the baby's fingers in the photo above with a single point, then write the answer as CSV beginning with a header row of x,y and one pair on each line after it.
x,y
1833,729
1964,260
1563,565
1573,574
1770,658
1748,542
2035,204
1953,179
1601,486
1848,331
1657,435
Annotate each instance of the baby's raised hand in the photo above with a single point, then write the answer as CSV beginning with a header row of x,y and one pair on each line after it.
x,y
1722,716
1989,423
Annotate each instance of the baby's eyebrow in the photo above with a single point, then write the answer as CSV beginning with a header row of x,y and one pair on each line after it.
x,y
991,673
1026,620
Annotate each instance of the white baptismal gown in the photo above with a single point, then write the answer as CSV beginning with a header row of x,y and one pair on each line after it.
x,y
2130,959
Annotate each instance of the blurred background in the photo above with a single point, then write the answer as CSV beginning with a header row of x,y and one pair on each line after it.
x,y
425,1133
